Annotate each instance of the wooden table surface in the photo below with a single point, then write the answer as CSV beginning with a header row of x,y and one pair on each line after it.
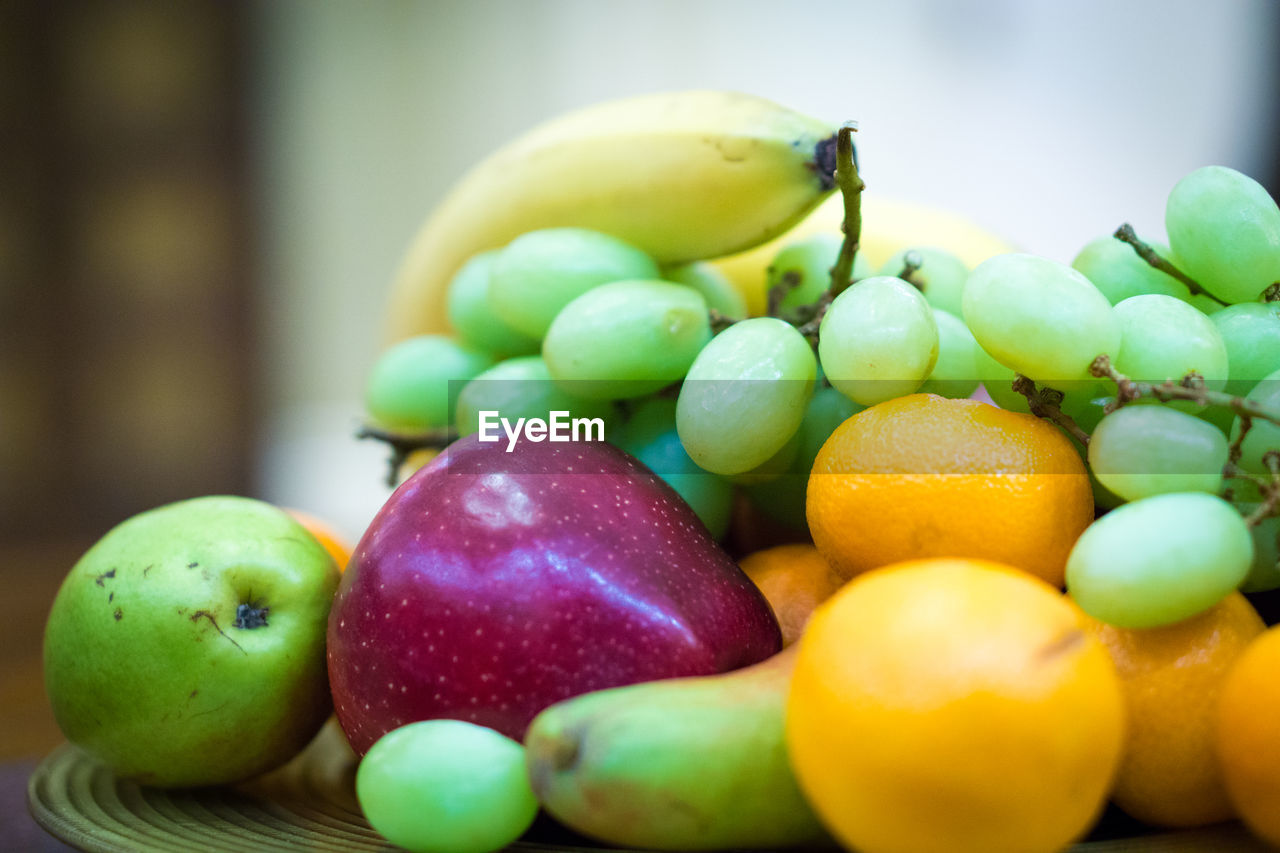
x,y
29,578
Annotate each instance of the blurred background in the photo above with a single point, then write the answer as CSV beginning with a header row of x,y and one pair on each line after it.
x,y
202,202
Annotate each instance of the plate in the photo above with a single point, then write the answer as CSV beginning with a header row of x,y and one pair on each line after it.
x,y
309,804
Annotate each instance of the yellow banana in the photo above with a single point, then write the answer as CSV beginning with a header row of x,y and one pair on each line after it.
x,y
683,176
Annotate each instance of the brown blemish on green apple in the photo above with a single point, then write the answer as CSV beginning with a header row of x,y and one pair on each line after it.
x,y
107,575
252,614
208,711
192,565
119,614
205,614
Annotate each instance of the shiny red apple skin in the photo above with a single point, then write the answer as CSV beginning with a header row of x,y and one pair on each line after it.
x,y
493,584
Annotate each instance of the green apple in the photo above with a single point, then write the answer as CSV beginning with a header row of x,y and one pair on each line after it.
x,y
187,646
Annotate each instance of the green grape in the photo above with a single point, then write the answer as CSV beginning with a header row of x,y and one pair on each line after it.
x,y
941,275
1120,272
1140,451
1219,416
1263,435
1103,498
714,286
414,383
1086,403
998,382
1165,338
1041,318
808,264
1205,303
955,374
1264,574
878,340
540,272
771,469
446,786
1225,231
1159,560
783,499
517,388
745,395
626,338
471,317
650,436
1251,333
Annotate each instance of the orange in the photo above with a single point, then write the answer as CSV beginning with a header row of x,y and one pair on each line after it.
x,y
953,704
1248,735
794,579
333,541
1171,678
924,476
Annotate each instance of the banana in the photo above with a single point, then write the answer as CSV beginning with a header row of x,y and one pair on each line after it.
x,y
684,176
682,764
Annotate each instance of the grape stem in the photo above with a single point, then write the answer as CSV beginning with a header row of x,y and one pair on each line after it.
x,y
1268,486
851,187
719,322
790,281
1047,403
911,263
1237,446
808,318
402,444
1191,388
1126,234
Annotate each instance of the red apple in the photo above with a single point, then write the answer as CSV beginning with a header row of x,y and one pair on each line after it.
x,y
493,584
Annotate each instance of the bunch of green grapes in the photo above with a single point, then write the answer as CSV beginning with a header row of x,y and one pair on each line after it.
x,y
564,320
721,405
1182,474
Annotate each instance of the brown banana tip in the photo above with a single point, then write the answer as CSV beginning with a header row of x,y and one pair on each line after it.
x,y
824,161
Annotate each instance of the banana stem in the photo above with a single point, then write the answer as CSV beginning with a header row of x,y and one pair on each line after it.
x,y
851,187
